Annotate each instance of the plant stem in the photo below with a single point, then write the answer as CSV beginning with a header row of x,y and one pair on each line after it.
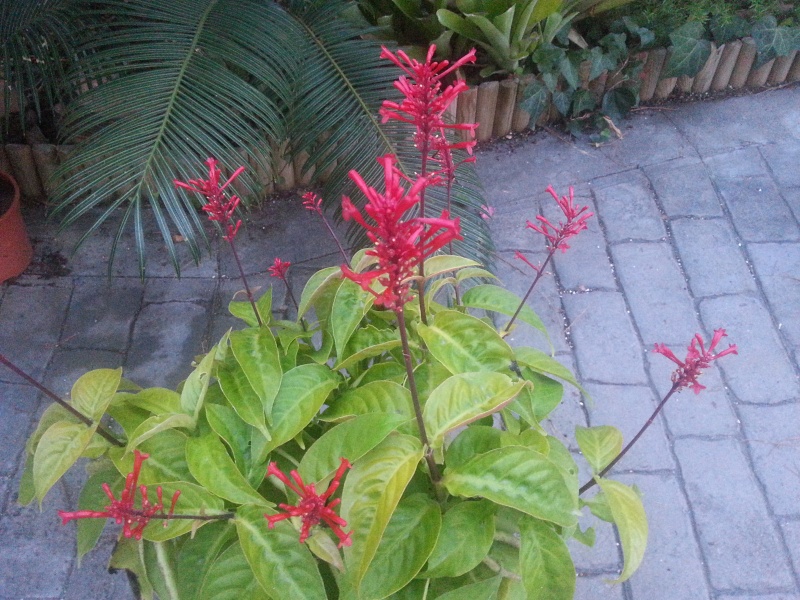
x,y
102,431
588,485
499,569
219,517
536,279
335,238
244,280
412,384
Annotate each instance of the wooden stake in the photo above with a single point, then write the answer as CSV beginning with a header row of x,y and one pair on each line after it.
x,y
504,111
758,77
744,63
521,118
651,73
467,103
781,68
485,111
730,52
702,81
794,71
24,170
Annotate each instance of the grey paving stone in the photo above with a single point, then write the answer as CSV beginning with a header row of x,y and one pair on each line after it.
x,y
627,408
628,210
783,159
743,163
69,364
656,291
733,523
711,257
606,345
91,578
759,212
686,413
508,224
101,313
772,436
649,138
38,311
761,356
185,289
604,556
792,197
672,561
159,355
684,188
778,596
16,416
597,588
778,268
562,421
791,533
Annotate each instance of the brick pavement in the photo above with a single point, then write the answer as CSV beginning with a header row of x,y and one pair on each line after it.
x,y
696,228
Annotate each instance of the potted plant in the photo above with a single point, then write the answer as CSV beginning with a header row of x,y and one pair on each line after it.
x,y
15,246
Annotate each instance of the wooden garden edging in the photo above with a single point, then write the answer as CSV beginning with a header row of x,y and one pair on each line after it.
x,y
493,105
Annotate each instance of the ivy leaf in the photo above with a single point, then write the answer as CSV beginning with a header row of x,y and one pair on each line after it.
x,y
601,61
583,101
774,40
562,101
569,65
689,51
725,30
535,99
617,103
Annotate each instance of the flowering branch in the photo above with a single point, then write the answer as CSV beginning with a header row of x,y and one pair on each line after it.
x,y
698,358
313,203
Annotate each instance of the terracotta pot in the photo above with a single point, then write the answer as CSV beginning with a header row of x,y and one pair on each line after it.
x,y
16,251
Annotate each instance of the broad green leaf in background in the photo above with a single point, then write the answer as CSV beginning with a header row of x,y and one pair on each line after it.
x,y
464,540
257,353
376,396
463,343
774,40
60,446
544,363
545,562
199,553
366,343
195,387
520,478
349,307
689,51
316,286
283,567
407,543
474,273
231,430
93,497
303,391
464,398
535,99
372,490
480,590
498,299
156,424
128,554
241,396
244,310
631,522
155,400
93,391
474,440
617,103
193,500
599,445
351,440
211,465
52,414
444,263
534,403
167,460
230,578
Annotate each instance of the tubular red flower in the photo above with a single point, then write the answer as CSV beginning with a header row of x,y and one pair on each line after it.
x,y
218,207
697,359
312,202
279,268
134,519
311,507
557,236
399,245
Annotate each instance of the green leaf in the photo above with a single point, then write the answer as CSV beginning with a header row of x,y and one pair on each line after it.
x,y
617,103
535,100
464,398
167,460
241,396
480,590
444,263
599,445
545,562
303,391
631,521
53,414
367,343
463,343
465,538
601,61
349,307
27,491
520,478
374,397
214,469
544,363
244,310
231,578
199,553
257,353
129,554
773,40
562,100
60,446
535,403
194,388
92,392
474,440
231,430
407,543
350,439
283,567
371,493
93,497
154,400
473,273
583,101
193,500
316,286
726,30
498,299
689,51
156,424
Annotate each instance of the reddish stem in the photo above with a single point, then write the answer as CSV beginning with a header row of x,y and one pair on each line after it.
x,y
536,279
244,280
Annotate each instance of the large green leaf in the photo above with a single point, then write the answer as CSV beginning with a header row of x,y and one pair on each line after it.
x,y
407,543
774,40
371,493
195,387
480,590
241,395
690,50
92,392
463,343
464,541
349,307
520,478
544,363
199,553
631,522
498,299
376,396
167,460
599,445
93,497
156,424
256,352
193,500
231,578
545,562
60,446
283,567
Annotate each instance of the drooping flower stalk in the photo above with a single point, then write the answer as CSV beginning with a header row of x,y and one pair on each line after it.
x,y
101,429
698,358
556,236
280,269
221,209
124,510
313,203
311,507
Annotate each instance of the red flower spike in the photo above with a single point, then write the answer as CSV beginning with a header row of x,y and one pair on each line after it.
x,y
557,236
400,246
218,207
520,256
123,511
279,269
311,507
697,359
312,202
